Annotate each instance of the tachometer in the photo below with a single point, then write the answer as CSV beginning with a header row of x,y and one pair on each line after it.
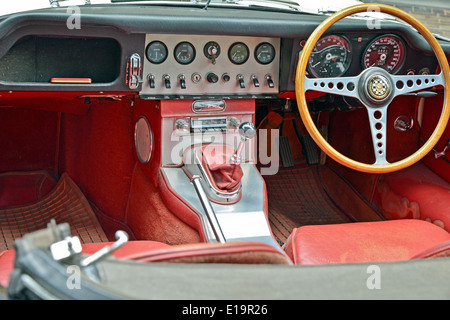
x,y
387,52
330,57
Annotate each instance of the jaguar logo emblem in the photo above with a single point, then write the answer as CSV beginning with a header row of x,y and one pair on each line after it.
x,y
378,87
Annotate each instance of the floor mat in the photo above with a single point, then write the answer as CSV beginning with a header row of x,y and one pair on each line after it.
x,y
296,198
65,203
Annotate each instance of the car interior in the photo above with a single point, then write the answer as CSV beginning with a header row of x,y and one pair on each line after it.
x,y
226,135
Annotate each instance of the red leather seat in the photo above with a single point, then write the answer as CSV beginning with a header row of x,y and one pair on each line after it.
x,y
415,193
152,251
379,241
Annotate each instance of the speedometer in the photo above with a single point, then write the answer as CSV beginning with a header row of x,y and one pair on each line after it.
x,y
387,52
330,57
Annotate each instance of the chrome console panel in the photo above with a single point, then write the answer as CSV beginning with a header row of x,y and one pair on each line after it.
x,y
244,220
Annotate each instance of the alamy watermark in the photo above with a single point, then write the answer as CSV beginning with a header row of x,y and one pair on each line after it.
x,y
375,22
74,279
264,146
373,281
74,19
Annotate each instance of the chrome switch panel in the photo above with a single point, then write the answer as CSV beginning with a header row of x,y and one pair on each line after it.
x,y
178,66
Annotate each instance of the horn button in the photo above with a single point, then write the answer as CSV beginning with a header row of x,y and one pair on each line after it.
x,y
377,86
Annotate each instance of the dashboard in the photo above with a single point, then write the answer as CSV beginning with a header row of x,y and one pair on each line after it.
x,y
160,52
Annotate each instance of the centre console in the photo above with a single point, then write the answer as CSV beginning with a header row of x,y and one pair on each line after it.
x,y
203,90
237,212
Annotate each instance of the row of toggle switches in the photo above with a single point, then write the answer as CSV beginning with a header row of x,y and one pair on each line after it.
x,y
211,77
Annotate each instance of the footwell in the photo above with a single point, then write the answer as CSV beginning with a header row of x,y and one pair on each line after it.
x,y
64,203
296,198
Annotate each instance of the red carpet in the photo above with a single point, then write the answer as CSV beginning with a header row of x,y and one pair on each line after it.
x,y
296,198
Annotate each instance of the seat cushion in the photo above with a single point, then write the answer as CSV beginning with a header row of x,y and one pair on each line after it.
x,y
379,241
415,193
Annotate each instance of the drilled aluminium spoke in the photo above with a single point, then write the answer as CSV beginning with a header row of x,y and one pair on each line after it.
x,y
406,84
378,125
345,86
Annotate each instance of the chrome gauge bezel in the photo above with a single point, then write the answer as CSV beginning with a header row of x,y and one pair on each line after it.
x,y
152,60
348,58
232,57
258,52
177,51
399,40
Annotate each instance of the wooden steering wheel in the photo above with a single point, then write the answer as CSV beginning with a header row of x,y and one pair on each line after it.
x,y
376,89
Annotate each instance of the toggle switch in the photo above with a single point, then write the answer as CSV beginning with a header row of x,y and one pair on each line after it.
x,y
166,79
151,80
255,80
240,79
269,80
182,81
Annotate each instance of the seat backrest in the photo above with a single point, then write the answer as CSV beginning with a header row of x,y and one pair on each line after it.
x,y
231,252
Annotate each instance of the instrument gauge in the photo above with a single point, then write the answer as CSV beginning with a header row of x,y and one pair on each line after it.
x,y
238,53
264,53
387,52
211,50
184,53
330,57
156,52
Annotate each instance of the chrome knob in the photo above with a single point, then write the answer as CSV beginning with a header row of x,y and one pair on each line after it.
x,y
247,131
233,123
181,125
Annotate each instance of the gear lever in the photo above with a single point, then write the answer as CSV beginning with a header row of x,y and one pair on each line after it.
x,y
247,131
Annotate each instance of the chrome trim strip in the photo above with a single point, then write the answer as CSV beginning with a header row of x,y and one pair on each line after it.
x,y
199,106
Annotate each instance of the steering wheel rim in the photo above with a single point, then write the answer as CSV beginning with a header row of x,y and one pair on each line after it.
x,y
302,84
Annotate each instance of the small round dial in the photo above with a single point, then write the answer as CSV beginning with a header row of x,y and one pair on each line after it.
x,y
330,57
156,52
387,52
264,53
238,53
211,50
184,52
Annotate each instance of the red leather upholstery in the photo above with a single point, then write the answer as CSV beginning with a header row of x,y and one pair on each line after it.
x,y
152,251
363,241
6,266
132,247
415,193
225,175
231,252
